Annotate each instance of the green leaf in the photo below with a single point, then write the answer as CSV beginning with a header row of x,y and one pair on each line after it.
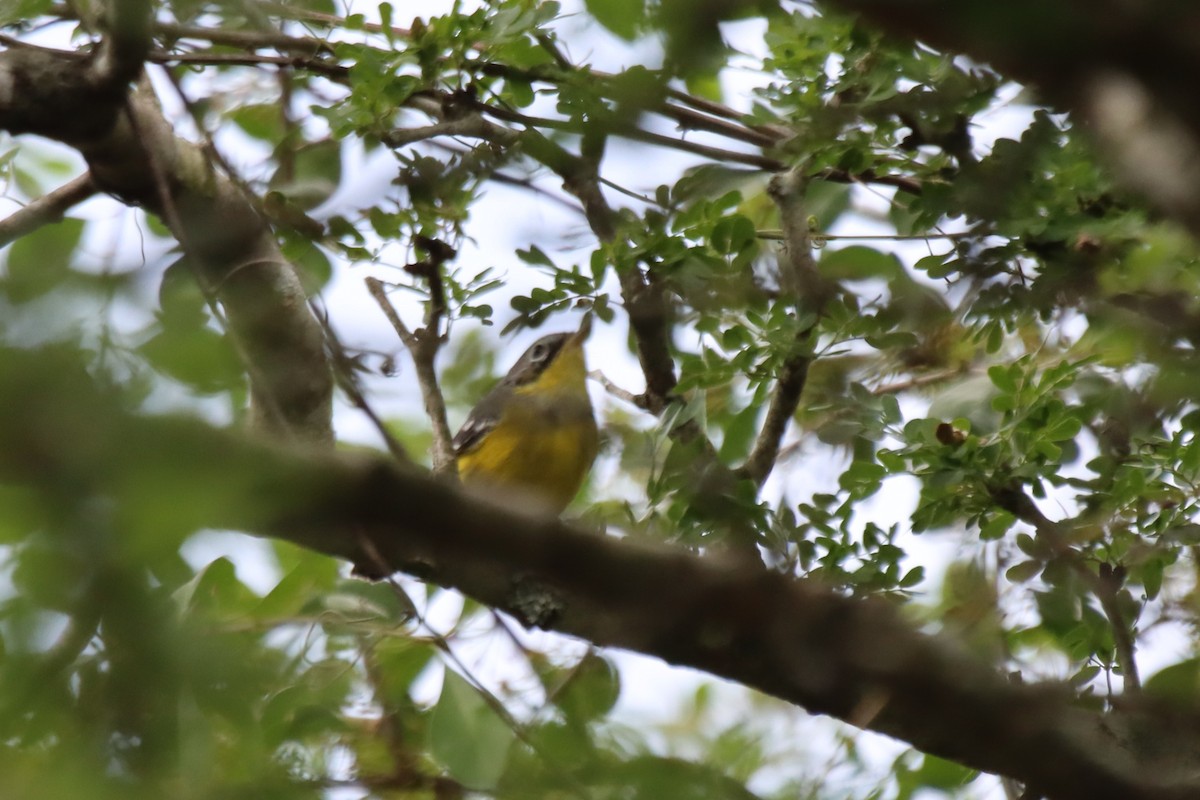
x,y
22,10
200,357
316,171
1023,572
467,737
311,262
1179,682
41,260
858,263
262,121
938,773
622,17
215,589
1152,577
996,525
739,434
303,585
180,297
733,234
1004,377
591,691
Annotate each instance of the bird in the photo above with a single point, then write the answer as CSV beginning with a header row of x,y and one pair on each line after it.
x,y
532,439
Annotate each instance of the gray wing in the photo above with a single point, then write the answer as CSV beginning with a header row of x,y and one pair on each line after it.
x,y
482,419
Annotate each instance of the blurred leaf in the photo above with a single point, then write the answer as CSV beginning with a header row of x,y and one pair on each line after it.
x,y
316,171
41,260
858,263
1177,682
622,17
591,691
200,357
467,737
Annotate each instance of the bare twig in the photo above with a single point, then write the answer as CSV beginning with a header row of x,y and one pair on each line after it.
x,y
472,126
778,236
46,209
308,45
345,371
289,11
638,400
918,381
632,132
799,276
378,291
789,385
423,345
315,64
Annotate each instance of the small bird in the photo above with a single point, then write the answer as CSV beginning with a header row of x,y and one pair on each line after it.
x,y
532,438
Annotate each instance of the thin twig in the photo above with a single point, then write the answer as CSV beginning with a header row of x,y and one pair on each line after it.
x,y
378,291
326,68
919,380
250,39
289,11
802,281
635,133
423,345
46,209
616,391
1055,535
778,236
346,373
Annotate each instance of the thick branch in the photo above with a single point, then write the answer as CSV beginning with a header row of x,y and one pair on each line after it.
x,y
133,154
854,659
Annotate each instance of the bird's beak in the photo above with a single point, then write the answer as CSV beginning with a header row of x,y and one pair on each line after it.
x,y
585,328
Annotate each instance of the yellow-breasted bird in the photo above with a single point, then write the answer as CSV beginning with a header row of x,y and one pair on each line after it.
x,y
532,438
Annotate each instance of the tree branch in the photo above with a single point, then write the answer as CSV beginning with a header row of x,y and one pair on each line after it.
x,y
793,639
134,155
801,281
46,209
123,49
423,346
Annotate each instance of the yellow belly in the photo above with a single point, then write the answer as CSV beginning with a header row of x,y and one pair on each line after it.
x,y
543,464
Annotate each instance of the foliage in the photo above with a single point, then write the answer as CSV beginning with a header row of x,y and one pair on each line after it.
x,y
1028,363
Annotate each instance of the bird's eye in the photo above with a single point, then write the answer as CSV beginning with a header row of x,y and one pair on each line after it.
x,y
539,352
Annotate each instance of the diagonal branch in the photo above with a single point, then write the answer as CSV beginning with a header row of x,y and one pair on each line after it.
x,y
46,209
